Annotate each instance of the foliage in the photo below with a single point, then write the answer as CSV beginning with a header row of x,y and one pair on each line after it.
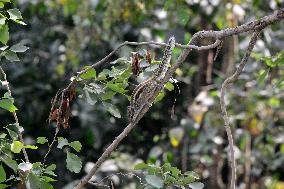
x,y
166,176
32,175
67,35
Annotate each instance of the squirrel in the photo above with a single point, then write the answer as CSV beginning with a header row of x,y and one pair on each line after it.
x,y
144,90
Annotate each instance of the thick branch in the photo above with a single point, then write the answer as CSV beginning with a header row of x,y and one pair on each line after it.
x,y
253,25
225,116
218,35
127,130
14,113
106,153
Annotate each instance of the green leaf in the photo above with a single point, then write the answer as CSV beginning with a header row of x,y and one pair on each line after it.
x,y
94,88
33,181
4,48
196,185
262,75
91,73
1,5
3,135
4,34
13,134
31,147
175,172
187,180
117,87
183,15
140,166
154,181
7,104
122,60
50,173
51,167
2,21
169,86
20,22
17,146
192,174
11,56
90,100
282,148
108,95
279,83
6,1
168,4
19,48
160,96
2,174
48,179
170,180
76,145
103,74
74,163
7,95
41,140
62,142
117,72
153,170
10,163
2,186
221,22
37,165
166,167
187,37
15,14
113,110
273,61
274,102
45,185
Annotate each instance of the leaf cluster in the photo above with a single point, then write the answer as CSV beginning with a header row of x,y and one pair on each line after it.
x,y
166,175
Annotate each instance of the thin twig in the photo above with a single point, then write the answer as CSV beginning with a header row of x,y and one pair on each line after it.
x,y
146,43
58,116
225,116
15,114
50,146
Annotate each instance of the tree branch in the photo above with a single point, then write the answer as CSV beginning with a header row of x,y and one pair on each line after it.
x,y
225,116
52,143
218,35
253,25
106,153
141,44
15,114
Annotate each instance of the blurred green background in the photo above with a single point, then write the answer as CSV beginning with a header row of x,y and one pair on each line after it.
x,y
66,35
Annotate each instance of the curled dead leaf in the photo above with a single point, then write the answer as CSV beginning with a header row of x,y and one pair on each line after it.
x,y
61,106
135,63
148,56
